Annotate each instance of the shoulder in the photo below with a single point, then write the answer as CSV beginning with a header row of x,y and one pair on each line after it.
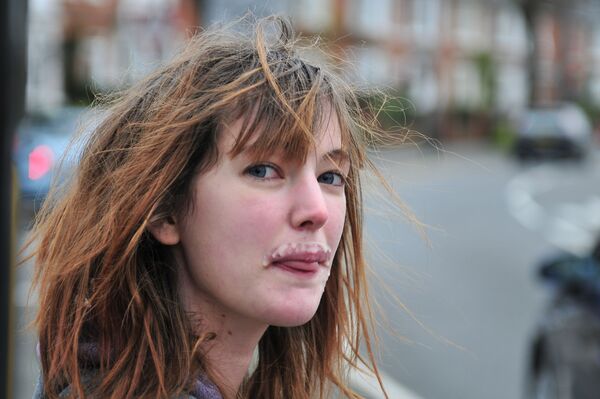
x,y
39,388
87,379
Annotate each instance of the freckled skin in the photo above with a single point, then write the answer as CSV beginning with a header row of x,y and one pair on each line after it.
x,y
237,220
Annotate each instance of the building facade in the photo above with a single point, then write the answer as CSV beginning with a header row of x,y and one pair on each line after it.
x,y
443,56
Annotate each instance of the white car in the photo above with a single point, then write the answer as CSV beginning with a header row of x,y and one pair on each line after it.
x,y
559,131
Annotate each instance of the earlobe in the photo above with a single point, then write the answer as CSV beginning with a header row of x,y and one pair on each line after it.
x,y
165,231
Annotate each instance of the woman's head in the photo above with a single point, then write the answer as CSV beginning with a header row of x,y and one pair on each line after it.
x,y
257,242
229,177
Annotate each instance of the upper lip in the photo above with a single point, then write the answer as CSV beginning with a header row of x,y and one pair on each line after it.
x,y
303,252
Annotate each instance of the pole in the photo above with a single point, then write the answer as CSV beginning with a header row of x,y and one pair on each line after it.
x,y
13,17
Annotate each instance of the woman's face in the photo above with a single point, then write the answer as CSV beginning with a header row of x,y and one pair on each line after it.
x,y
258,242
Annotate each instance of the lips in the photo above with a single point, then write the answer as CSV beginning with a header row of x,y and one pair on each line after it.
x,y
297,266
300,258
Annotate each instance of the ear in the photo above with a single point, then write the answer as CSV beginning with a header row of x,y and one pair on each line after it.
x,y
165,231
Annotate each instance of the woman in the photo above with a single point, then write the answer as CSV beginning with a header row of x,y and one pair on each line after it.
x,y
216,210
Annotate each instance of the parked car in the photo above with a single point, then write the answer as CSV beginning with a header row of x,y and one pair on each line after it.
x,y
558,131
565,353
40,144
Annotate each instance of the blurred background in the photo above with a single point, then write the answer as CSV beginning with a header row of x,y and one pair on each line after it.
x,y
501,299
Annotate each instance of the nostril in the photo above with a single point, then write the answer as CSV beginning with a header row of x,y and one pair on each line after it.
x,y
313,219
307,223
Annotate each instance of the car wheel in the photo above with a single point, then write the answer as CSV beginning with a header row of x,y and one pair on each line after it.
x,y
549,378
551,382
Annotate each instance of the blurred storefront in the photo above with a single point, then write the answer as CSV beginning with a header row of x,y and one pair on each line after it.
x,y
458,65
462,61
98,46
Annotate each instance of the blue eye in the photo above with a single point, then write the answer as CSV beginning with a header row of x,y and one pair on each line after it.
x,y
262,171
333,178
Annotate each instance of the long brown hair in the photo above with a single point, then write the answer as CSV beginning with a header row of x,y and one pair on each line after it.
x,y
104,280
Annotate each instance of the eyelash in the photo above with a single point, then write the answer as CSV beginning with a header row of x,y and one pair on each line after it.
x,y
275,169
249,169
338,174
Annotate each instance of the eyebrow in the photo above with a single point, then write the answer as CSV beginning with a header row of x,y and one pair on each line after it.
x,y
337,155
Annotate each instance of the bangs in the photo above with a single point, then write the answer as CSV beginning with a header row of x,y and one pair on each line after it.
x,y
286,114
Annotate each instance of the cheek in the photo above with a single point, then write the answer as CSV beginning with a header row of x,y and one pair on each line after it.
x,y
245,221
257,214
337,218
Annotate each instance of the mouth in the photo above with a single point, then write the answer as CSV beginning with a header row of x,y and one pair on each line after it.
x,y
298,267
300,259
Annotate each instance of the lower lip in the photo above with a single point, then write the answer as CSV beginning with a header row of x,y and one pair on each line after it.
x,y
300,272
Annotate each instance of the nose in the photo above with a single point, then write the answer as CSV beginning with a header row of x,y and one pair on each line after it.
x,y
309,210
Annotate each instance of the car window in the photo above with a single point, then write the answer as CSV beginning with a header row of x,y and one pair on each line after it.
x,y
541,123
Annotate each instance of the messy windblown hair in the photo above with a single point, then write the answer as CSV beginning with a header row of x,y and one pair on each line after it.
x,y
103,278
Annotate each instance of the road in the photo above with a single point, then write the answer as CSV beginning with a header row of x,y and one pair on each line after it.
x,y
463,303
460,304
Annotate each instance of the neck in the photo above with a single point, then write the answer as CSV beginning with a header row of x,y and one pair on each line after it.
x,y
229,356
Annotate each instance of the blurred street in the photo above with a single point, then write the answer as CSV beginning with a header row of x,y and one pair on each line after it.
x,y
471,293
460,304
471,296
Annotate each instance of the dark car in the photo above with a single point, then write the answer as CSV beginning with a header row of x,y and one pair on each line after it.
x,y
40,144
556,132
565,355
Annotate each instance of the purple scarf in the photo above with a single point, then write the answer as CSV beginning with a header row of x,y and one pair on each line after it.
x,y
203,387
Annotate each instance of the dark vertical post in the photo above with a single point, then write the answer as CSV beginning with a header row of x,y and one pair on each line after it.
x,y
530,10
13,18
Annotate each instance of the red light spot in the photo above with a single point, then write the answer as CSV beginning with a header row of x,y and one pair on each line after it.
x,y
40,161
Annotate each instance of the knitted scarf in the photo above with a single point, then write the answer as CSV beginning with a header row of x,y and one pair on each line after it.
x,y
203,388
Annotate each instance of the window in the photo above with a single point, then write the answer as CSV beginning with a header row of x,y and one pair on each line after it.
x,y
426,21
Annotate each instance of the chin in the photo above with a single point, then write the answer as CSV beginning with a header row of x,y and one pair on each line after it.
x,y
293,317
296,322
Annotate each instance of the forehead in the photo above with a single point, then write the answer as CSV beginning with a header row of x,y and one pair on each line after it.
x,y
258,140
